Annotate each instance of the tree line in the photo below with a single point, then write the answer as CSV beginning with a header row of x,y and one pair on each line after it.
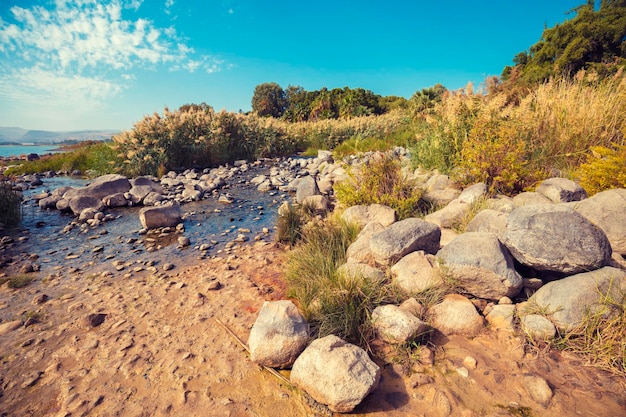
x,y
594,39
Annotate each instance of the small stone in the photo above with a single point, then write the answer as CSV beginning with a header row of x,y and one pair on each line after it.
x,y
40,299
462,371
538,389
168,266
95,319
469,362
214,285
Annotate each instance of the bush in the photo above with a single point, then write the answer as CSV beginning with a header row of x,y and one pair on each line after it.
x,y
603,170
98,158
289,224
10,204
17,281
381,181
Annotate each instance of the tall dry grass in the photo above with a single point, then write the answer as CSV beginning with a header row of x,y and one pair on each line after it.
x,y
512,145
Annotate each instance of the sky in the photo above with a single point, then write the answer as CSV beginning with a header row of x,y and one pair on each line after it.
x,y
86,64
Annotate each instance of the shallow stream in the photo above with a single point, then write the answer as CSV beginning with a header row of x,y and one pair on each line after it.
x,y
206,222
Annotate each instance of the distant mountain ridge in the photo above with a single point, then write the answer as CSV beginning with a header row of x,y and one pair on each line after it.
x,y
18,135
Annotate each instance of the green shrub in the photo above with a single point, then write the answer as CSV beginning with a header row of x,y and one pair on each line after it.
x,y
330,302
381,181
17,281
98,158
10,204
289,225
603,170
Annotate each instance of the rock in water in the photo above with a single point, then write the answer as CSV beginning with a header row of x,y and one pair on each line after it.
x,y
160,216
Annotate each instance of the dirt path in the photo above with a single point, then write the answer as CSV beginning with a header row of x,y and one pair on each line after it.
x,y
149,345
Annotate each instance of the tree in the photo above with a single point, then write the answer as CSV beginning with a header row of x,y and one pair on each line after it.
x,y
593,39
269,100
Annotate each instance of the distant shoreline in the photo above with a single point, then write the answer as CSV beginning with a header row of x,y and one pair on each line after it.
x,y
12,151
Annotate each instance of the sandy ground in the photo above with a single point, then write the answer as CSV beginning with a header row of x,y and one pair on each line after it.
x,y
149,344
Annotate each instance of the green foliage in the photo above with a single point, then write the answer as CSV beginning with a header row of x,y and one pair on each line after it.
x,y
289,224
381,181
98,158
269,99
592,39
426,98
603,170
494,153
197,136
17,281
332,303
10,204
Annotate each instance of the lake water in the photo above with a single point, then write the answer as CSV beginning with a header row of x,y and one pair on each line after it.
x,y
17,150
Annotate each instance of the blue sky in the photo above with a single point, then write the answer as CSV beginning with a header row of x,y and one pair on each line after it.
x,y
86,64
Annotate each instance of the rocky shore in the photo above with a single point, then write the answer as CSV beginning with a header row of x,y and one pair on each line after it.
x,y
140,337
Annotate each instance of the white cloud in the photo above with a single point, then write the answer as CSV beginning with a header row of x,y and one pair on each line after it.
x,y
85,51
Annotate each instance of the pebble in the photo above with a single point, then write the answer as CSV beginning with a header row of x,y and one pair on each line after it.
x,y
168,266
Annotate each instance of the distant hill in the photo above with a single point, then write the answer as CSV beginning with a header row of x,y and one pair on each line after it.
x,y
18,135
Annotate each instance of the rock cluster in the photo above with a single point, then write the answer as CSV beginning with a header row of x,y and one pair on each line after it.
x,y
554,249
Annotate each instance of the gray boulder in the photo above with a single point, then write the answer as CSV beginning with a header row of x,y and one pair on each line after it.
x,y
482,265
78,204
404,237
359,250
160,216
607,210
395,325
456,315
307,187
561,190
153,198
139,192
473,193
101,187
115,200
318,203
450,215
363,214
278,335
335,373
569,299
538,327
416,272
49,202
492,221
530,198
555,238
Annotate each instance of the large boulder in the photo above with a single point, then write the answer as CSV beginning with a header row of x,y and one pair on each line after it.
x,y
450,215
78,204
456,315
416,272
335,373
404,237
567,300
482,265
492,221
394,325
278,335
362,214
550,237
160,216
101,187
359,250
561,190
607,210
307,187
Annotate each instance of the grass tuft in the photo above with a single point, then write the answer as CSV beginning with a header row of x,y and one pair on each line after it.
x,y
10,204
